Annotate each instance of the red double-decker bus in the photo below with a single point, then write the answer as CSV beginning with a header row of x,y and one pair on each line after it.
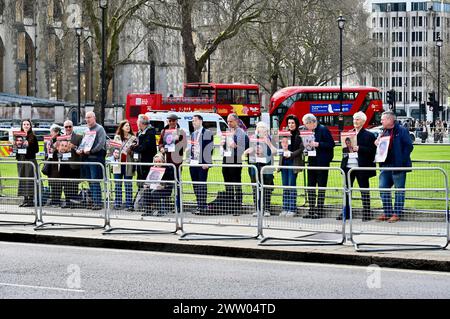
x,y
220,98
324,103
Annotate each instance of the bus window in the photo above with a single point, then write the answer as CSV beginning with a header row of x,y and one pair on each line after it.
x,y
207,93
192,92
275,124
239,97
252,97
223,96
365,104
135,110
376,119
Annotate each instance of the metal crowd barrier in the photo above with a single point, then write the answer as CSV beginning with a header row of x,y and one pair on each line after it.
x,y
13,188
151,200
423,216
229,205
83,198
316,222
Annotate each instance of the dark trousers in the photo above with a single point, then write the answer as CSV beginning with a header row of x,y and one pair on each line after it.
x,y
198,174
70,187
55,191
267,180
233,192
363,182
156,196
316,178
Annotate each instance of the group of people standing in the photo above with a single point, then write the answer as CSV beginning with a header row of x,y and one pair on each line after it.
x,y
141,148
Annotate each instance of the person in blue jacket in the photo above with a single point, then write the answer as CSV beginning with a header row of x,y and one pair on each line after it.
x,y
399,155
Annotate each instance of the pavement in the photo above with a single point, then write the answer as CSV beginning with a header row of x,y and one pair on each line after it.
x,y
224,236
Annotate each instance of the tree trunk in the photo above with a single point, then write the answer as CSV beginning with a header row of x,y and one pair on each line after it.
x,y
192,71
273,82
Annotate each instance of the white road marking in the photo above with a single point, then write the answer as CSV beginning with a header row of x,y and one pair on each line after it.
x,y
40,287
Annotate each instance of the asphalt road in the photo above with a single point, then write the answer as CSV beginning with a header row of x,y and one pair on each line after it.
x,y
47,271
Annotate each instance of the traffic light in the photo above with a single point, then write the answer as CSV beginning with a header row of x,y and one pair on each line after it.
x,y
391,98
422,108
432,103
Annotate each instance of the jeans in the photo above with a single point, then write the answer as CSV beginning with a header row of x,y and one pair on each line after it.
x,y
289,178
387,180
95,172
118,189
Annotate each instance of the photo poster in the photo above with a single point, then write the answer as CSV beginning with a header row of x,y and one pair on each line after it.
x,y
307,139
128,144
114,150
63,147
194,151
88,141
227,138
155,174
284,137
382,149
348,141
19,139
169,140
259,149
48,144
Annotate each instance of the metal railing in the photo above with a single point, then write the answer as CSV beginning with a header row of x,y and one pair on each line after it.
x,y
420,209
230,204
316,222
151,200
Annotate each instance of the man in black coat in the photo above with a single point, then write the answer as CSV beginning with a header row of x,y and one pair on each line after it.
x,y
320,154
145,149
201,149
365,151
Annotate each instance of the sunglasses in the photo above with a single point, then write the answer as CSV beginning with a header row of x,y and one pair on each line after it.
x,y
68,126
172,120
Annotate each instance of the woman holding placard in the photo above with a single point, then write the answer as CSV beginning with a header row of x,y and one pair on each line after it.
x,y
26,152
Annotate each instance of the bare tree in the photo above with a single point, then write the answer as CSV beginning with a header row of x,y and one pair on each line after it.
x,y
229,17
299,42
118,14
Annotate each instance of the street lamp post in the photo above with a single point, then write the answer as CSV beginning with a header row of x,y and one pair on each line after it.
x,y
439,44
404,97
103,6
79,33
209,62
341,24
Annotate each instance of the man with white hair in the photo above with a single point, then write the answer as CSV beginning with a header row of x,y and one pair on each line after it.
x,y
321,157
97,155
364,155
144,149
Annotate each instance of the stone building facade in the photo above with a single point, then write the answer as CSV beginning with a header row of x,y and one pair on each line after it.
x,y
38,54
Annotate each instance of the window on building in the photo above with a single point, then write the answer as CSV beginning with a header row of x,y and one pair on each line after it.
x,y
28,9
420,21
